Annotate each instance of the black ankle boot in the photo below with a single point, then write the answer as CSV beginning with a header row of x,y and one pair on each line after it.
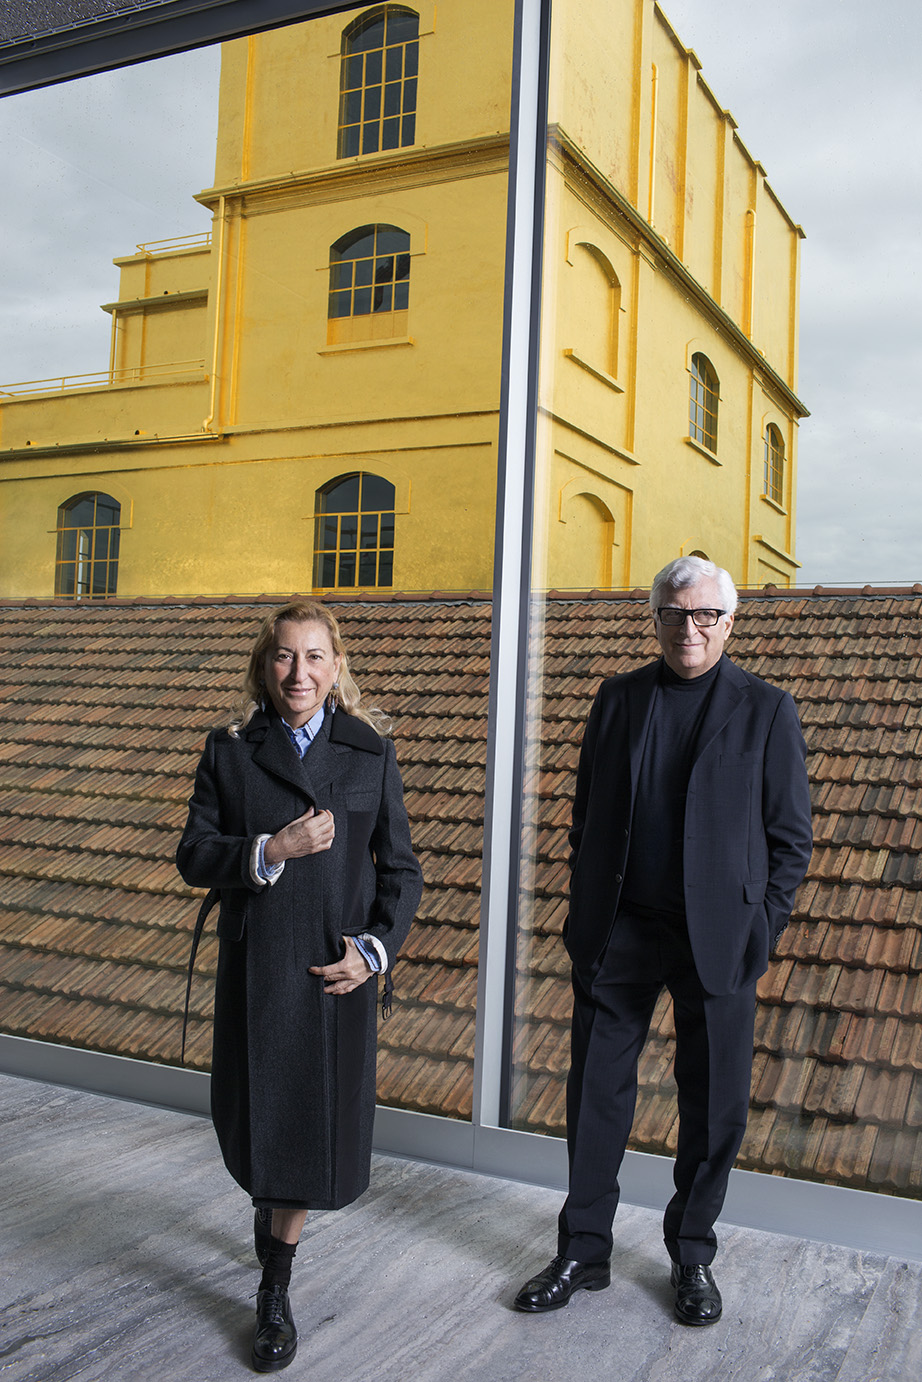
x,y
275,1342
276,1339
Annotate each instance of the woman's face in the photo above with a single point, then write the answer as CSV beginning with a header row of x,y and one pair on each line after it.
x,y
299,670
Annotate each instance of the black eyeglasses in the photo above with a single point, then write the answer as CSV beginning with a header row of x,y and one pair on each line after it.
x,y
674,618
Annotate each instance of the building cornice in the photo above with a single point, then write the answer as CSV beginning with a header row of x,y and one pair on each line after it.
x,y
103,446
156,303
370,175
570,156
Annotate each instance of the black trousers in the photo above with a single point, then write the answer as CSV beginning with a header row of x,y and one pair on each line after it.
x,y
713,1070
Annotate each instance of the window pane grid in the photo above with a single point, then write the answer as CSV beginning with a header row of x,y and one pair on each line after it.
x,y
702,405
355,546
369,275
773,485
377,108
86,561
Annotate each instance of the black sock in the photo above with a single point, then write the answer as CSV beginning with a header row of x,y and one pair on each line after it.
x,y
277,1271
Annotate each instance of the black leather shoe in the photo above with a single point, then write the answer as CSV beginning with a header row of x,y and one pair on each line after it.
x,y
275,1342
262,1232
697,1299
552,1288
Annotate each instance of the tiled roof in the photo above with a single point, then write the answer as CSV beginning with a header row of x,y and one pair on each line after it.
x,y
103,710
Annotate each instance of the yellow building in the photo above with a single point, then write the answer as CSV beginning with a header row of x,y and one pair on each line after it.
x,y
308,397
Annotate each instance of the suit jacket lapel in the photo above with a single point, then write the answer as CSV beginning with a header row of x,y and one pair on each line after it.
x,y
640,708
729,690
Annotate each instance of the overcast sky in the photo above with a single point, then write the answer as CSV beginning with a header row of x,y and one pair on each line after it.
x,y
91,169
828,96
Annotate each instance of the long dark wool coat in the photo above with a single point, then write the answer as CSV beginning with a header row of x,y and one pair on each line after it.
x,y
293,1069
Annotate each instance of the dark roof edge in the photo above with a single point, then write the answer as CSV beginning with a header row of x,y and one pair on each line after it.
x,y
371,597
450,597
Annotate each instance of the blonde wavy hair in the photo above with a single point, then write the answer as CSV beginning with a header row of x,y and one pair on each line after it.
x,y
253,691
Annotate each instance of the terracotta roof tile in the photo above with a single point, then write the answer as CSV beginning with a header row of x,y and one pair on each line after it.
x,y
96,756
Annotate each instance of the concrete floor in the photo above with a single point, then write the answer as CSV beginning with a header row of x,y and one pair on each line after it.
x,y
127,1254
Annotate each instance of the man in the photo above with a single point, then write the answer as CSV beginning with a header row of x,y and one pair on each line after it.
x,y
690,835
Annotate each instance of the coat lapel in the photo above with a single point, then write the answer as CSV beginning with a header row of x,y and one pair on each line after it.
x,y
273,752
325,761
322,765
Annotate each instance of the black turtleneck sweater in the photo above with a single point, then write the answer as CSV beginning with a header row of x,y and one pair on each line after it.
x,y
654,876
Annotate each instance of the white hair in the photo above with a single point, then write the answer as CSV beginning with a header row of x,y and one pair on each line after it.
x,y
688,571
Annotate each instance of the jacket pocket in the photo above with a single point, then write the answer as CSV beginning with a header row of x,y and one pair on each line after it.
x,y
754,891
231,922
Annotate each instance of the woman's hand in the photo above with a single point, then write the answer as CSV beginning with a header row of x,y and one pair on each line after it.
x,y
346,974
311,833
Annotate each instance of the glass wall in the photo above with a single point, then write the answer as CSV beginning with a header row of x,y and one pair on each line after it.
x,y
651,445
293,386
336,382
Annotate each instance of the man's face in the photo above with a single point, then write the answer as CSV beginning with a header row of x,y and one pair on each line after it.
x,y
690,651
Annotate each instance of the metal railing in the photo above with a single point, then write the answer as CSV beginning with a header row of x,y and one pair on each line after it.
x,y
202,240
101,379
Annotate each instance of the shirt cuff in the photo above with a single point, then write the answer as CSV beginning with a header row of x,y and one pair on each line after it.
x,y
261,872
372,952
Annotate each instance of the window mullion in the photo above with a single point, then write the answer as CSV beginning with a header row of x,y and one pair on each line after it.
x,y
515,490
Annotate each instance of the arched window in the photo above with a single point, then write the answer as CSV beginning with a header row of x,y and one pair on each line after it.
x,y
86,567
369,285
354,533
773,486
702,403
377,83
598,293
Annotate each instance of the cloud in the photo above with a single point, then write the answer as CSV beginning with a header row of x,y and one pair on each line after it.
x,y
92,168
828,98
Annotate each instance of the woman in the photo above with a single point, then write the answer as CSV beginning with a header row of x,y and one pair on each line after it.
x,y
298,819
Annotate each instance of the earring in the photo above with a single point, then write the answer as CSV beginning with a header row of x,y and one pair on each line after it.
x,y
333,697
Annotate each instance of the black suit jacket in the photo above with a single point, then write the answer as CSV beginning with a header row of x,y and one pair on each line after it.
x,y
747,822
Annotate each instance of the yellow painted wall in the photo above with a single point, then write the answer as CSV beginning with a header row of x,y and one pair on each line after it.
x,y
688,234
118,414
241,408
275,119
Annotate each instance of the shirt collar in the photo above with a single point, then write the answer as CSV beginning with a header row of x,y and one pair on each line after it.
x,y
303,736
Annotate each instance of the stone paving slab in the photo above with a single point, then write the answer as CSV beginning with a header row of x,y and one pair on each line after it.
x,y
127,1256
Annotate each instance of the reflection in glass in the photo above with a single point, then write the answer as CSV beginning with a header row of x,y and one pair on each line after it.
x,y
87,557
619,493
378,82
255,450
369,274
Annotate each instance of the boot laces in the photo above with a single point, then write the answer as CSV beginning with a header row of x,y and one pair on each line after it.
x,y
273,1305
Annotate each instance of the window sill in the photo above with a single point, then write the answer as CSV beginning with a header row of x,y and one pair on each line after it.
x,y
702,450
599,374
367,345
778,551
773,504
